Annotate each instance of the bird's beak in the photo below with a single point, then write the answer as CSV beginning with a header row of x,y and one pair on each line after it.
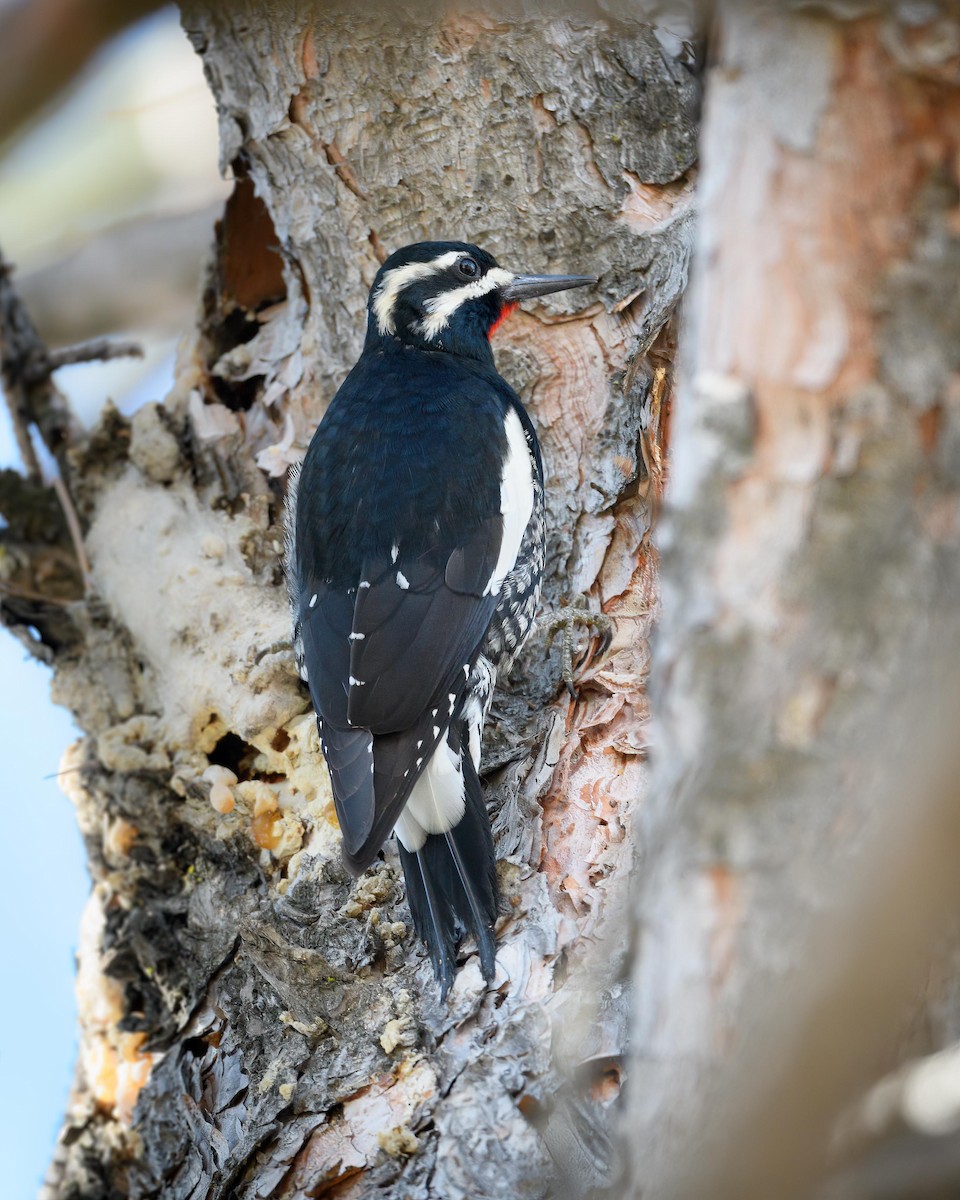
x,y
525,287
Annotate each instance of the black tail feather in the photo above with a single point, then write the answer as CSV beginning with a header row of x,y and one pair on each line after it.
x,y
429,917
452,886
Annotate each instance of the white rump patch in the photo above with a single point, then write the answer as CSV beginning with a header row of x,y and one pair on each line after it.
x,y
408,831
516,501
437,802
441,308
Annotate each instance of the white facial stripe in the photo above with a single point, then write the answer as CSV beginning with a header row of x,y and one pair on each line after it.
x,y
441,308
398,278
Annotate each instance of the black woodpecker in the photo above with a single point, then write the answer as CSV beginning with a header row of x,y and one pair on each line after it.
x,y
415,551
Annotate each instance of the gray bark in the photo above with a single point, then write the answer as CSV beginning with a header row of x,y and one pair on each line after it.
x,y
254,1024
798,858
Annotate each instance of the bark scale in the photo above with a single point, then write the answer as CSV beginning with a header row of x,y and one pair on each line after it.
x,y
253,1023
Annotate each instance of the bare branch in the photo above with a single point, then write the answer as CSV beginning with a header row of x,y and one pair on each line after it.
x,y
24,363
98,350
34,400
76,533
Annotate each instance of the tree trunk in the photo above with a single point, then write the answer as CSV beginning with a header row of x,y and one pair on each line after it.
x,y
255,1024
810,623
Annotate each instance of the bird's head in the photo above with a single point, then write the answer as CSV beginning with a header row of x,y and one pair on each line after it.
x,y
450,296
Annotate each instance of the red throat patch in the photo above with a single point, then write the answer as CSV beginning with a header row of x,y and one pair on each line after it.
x,y
504,313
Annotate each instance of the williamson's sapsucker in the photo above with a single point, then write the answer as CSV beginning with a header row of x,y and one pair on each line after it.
x,y
415,552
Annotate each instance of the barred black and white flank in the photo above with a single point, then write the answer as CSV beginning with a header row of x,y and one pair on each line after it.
x,y
415,553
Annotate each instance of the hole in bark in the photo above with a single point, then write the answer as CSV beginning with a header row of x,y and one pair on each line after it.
x,y
251,268
197,1046
134,1020
238,396
248,278
236,328
235,754
280,741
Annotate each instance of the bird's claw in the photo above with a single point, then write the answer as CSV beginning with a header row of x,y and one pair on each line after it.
x,y
273,648
566,619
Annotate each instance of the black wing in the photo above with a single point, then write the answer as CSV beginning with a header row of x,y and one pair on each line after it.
x,y
390,657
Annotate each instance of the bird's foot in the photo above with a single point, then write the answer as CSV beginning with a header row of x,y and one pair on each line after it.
x,y
274,648
567,619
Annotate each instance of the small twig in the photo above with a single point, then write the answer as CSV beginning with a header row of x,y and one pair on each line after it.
x,y
22,593
97,350
30,393
21,431
76,533
35,402
60,774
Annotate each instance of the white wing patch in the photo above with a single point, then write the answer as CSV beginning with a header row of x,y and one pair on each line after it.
x,y
441,308
516,500
474,714
395,280
437,802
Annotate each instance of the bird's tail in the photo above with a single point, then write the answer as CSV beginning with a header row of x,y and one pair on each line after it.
x,y
452,885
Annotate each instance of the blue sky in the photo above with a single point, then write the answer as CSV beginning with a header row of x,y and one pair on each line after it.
x,y
44,882
43,886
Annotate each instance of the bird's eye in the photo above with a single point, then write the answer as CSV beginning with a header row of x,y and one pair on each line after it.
x,y
468,267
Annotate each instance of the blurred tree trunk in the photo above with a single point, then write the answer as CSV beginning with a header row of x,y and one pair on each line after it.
x,y
254,1024
810,631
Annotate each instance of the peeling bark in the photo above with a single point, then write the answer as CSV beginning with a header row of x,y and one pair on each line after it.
x,y
254,1023
811,567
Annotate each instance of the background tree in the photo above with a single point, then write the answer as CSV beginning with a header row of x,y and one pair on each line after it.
x,y
800,834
